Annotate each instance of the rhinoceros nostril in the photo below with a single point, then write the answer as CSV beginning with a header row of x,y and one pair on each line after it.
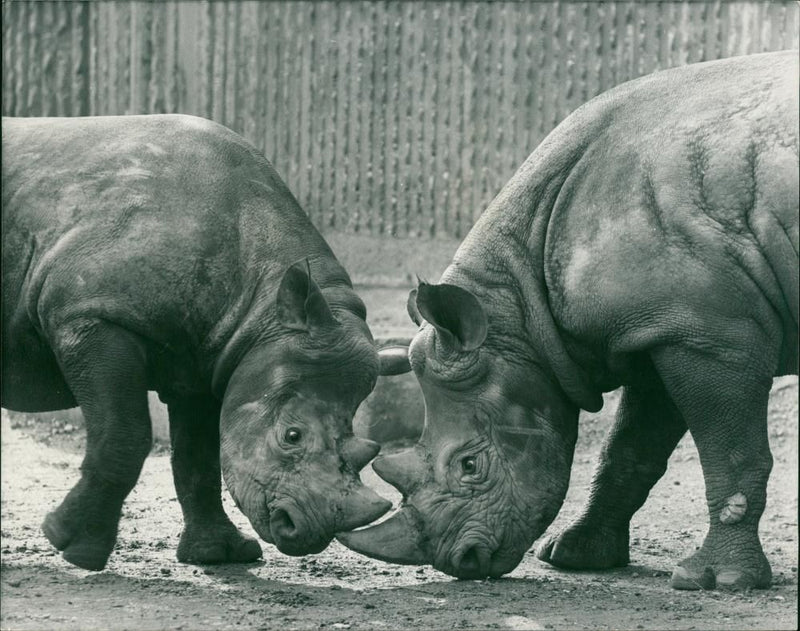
x,y
473,562
470,563
281,525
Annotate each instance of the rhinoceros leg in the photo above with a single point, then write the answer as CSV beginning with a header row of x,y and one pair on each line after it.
x,y
105,370
724,401
208,536
633,459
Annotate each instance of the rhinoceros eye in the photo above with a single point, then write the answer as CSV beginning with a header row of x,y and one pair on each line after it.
x,y
469,465
293,436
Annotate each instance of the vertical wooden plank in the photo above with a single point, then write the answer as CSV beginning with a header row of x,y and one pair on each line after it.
x,y
272,110
125,56
792,37
207,47
596,25
23,60
651,28
545,100
352,152
457,115
665,41
340,129
248,78
568,73
219,66
79,49
175,97
33,103
112,34
320,66
283,80
63,62
368,196
777,18
264,80
437,215
533,74
405,48
314,168
444,131
423,132
305,164
233,55
396,68
156,88
359,126
330,137
9,53
93,37
47,77
380,122
713,34
724,29
298,24
136,53
583,55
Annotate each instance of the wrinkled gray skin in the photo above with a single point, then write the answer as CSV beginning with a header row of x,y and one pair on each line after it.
x,y
164,253
651,243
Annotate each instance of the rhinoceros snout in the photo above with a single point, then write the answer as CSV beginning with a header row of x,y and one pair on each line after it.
x,y
292,533
479,559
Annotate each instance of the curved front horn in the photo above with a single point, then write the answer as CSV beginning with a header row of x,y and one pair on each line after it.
x,y
393,360
360,507
399,539
357,452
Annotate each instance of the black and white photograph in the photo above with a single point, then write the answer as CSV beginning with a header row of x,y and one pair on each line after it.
x,y
384,315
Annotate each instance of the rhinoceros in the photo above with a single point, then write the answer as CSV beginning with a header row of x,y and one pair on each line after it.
x,y
650,242
165,253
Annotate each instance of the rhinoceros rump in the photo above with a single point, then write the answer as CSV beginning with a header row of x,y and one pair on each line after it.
x,y
164,253
650,242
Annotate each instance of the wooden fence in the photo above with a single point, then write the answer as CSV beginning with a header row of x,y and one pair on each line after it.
x,y
400,118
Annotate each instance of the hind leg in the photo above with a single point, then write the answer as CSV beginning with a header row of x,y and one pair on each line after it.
x,y
104,366
724,401
208,536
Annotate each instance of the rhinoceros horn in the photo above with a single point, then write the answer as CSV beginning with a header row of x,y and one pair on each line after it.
x,y
360,506
394,360
399,539
404,470
357,452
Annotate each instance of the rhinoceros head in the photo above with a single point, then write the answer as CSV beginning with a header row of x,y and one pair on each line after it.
x,y
288,453
491,468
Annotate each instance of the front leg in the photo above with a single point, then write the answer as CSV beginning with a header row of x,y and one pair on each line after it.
x,y
724,401
633,459
208,535
104,366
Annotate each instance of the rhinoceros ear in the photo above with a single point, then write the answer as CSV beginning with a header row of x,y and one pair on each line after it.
x,y
458,315
300,304
411,307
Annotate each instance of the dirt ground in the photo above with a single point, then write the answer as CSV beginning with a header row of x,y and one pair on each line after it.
x,y
144,587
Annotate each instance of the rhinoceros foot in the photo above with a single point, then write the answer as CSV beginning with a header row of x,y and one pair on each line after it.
x,y
724,564
85,545
585,547
220,542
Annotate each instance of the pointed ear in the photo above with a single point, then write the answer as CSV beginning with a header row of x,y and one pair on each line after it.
x,y
411,307
458,315
300,303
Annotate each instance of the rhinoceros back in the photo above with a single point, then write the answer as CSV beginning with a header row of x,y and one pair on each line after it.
x,y
166,225
676,192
